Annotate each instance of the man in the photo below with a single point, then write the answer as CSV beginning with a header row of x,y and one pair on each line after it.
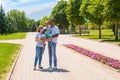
x,y
54,31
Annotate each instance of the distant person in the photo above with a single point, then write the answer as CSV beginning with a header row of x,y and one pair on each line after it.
x,y
52,42
40,40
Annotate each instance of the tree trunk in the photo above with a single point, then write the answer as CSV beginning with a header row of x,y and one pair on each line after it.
x,y
99,30
79,30
113,29
116,30
63,30
67,31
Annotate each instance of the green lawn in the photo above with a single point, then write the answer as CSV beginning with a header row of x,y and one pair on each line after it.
x,y
107,36
8,53
19,35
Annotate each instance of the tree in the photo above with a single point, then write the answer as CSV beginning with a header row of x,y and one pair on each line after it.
x,y
112,12
92,10
44,19
32,24
3,25
11,27
84,9
72,12
19,19
59,15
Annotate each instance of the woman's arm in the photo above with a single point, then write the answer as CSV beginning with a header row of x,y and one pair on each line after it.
x,y
40,39
37,39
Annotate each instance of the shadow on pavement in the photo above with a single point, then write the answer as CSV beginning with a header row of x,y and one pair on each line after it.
x,y
118,44
56,70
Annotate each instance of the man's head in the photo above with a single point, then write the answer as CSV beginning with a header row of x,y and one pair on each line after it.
x,y
52,22
46,23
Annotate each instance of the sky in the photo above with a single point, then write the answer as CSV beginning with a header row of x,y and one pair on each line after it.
x,y
34,9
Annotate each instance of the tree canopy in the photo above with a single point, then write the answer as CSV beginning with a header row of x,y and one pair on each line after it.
x,y
59,15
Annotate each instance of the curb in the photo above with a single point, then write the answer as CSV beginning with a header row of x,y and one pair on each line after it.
x,y
14,64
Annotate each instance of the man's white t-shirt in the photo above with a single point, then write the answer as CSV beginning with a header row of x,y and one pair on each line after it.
x,y
54,30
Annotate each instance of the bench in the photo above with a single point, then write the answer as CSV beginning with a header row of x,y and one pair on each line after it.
x,y
85,32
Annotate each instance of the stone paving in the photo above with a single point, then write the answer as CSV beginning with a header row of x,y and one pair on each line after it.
x,y
71,64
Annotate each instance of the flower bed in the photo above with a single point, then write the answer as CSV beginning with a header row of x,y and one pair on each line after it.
x,y
99,57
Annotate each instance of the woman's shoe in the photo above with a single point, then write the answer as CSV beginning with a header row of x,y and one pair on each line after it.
x,y
34,68
40,67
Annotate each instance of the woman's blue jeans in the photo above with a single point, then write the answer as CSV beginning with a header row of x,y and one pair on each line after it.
x,y
38,56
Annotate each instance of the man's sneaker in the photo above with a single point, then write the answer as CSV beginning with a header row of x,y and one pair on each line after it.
x,y
50,68
54,68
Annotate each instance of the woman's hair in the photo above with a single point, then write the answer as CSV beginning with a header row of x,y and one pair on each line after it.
x,y
39,27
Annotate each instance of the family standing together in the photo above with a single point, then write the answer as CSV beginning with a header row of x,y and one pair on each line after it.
x,y
49,34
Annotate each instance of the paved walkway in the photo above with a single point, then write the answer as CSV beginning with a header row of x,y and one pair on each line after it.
x,y
110,50
71,64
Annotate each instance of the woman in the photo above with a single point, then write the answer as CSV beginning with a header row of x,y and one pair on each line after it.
x,y
40,40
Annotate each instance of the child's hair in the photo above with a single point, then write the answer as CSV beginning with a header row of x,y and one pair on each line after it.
x,y
39,27
44,30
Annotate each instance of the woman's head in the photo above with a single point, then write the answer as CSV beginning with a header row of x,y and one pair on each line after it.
x,y
40,28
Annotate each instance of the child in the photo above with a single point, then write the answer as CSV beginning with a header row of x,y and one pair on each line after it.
x,y
47,34
39,47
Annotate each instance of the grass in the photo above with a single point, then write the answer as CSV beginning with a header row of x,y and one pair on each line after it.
x,y
20,35
8,53
107,36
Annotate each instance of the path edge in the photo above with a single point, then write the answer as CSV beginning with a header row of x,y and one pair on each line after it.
x,y
14,64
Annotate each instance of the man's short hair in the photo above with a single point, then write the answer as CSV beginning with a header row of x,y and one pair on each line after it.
x,y
52,20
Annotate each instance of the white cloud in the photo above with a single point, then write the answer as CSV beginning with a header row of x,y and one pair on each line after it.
x,y
29,9
34,8
26,1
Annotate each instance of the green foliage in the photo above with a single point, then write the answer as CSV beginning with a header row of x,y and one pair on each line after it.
x,y
59,15
32,24
84,9
96,11
16,21
44,19
3,25
112,12
19,19
72,12
8,53
93,11
112,9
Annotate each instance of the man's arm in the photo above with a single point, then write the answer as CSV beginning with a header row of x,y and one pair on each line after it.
x,y
54,36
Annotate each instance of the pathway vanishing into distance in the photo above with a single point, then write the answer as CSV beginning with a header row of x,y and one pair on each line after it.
x,y
71,65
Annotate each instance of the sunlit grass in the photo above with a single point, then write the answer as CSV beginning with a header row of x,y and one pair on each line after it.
x,y
8,53
107,36
20,35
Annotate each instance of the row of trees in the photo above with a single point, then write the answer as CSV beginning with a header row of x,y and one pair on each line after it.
x,y
16,21
101,11
79,12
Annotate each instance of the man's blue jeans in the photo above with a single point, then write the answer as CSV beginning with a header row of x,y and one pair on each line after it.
x,y
52,53
39,53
